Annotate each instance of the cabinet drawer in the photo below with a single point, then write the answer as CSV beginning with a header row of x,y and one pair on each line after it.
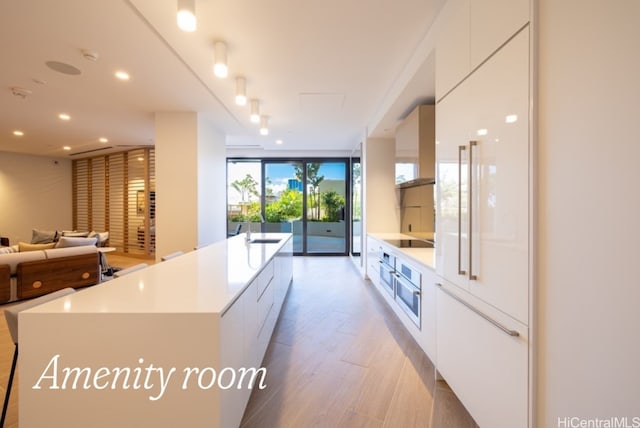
x,y
264,278
264,305
486,367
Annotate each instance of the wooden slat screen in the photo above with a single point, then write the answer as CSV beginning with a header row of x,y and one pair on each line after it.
x,y
116,193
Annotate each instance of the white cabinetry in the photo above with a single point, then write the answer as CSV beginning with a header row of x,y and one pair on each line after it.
x,y
471,30
374,249
483,181
425,335
452,46
485,365
492,23
482,220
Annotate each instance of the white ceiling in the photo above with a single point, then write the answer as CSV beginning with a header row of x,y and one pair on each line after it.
x,y
324,71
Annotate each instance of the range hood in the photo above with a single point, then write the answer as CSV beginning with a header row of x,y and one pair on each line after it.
x,y
416,144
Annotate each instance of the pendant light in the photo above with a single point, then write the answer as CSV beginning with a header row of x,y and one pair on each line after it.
x,y
241,91
264,128
220,68
255,111
187,15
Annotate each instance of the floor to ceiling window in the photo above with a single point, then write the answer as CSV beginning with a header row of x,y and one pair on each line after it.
x,y
306,197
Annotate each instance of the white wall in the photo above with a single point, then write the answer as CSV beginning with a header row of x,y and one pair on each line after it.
x,y
176,182
35,192
190,182
212,183
589,204
381,203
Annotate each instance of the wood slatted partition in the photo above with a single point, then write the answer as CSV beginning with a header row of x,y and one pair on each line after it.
x,y
116,193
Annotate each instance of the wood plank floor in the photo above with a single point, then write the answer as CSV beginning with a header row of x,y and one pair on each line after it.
x,y
339,357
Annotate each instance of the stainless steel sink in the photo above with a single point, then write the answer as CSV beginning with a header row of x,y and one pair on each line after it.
x,y
264,241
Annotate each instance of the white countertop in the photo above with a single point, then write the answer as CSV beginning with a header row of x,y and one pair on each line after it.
x,y
207,280
424,256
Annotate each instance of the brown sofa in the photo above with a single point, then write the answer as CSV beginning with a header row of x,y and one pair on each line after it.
x,y
24,275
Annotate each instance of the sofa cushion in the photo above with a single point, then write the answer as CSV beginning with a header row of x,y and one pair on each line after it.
x,y
24,246
66,241
70,251
11,249
14,259
39,236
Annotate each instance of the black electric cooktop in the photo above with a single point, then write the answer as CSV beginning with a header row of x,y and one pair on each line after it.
x,y
410,243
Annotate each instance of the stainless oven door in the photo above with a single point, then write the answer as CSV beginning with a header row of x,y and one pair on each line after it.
x,y
387,276
408,298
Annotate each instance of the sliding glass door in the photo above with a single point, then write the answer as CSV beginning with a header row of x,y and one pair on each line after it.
x,y
283,200
326,204
305,197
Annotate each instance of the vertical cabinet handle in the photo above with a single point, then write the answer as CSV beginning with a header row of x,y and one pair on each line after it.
x,y
472,144
460,150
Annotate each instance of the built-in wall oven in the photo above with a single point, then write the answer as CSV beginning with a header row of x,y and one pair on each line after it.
x,y
408,290
387,271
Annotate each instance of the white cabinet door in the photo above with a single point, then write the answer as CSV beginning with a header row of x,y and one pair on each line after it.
x,y
470,31
492,22
427,335
452,137
374,248
452,46
232,354
250,306
500,179
486,367
483,181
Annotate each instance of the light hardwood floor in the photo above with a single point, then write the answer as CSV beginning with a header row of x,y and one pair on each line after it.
x,y
339,357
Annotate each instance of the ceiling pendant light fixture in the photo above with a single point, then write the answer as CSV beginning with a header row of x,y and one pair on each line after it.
x,y
187,15
264,126
255,111
241,91
220,68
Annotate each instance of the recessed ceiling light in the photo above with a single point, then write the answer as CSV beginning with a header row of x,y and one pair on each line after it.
x,y
103,140
279,142
64,116
483,131
66,148
122,75
18,133
512,118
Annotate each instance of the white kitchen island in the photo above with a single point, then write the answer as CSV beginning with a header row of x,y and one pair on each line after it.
x,y
143,349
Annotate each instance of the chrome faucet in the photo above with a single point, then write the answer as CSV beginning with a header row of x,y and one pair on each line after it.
x,y
247,235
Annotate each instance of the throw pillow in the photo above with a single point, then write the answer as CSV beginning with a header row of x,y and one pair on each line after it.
x,y
72,241
75,233
39,236
102,238
24,246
